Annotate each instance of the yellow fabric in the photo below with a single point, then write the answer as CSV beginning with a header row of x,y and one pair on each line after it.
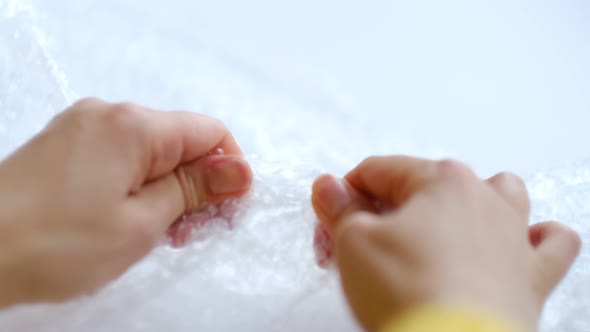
x,y
441,319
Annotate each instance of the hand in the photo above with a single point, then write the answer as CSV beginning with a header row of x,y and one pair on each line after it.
x,y
449,239
97,189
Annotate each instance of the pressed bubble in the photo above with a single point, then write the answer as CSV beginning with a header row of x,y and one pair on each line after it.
x,y
563,195
252,264
247,264
32,87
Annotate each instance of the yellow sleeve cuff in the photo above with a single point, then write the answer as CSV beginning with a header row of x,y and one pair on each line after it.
x,y
442,319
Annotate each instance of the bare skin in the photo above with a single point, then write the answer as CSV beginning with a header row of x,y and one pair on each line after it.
x,y
449,239
98,188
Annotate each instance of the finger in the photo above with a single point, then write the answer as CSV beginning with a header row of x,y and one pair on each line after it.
x,y
556,248
513,190
180,137
156,142
208,180
334,199
396,178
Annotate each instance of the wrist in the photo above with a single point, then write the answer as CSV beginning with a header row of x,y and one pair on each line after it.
x,y
447,318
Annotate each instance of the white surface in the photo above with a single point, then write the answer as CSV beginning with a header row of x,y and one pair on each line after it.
x,y
500,84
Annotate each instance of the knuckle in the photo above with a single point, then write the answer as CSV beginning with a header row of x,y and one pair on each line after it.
x,y
454,169
572,238
87,102
372,160
513,189
127,107
123,111
217,123
73,116
63,116
510,179
123,117
79,112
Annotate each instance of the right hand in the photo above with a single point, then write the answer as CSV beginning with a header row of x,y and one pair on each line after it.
x,y
449,240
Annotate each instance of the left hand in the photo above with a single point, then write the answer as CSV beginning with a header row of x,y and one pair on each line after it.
x,y
97,189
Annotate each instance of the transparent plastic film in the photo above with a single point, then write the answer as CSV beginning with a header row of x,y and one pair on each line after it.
x,y
255,267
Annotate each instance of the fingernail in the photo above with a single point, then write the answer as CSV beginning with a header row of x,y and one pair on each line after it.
x,y
331,195
228,176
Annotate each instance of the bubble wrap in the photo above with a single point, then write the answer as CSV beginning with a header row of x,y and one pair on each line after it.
x,y
258,275
261,274
257,271
563,194
29,78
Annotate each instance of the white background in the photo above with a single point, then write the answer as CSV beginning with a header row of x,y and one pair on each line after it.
x,y
500,84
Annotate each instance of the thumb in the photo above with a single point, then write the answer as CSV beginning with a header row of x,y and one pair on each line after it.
x,y
211,179
334,199
556,246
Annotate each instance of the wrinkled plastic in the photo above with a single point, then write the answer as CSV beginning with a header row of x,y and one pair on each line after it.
x,y
563,194
254,268
29,79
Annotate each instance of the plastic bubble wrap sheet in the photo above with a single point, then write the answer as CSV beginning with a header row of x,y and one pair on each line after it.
x,y
564,194
29,78
258,271
255,272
